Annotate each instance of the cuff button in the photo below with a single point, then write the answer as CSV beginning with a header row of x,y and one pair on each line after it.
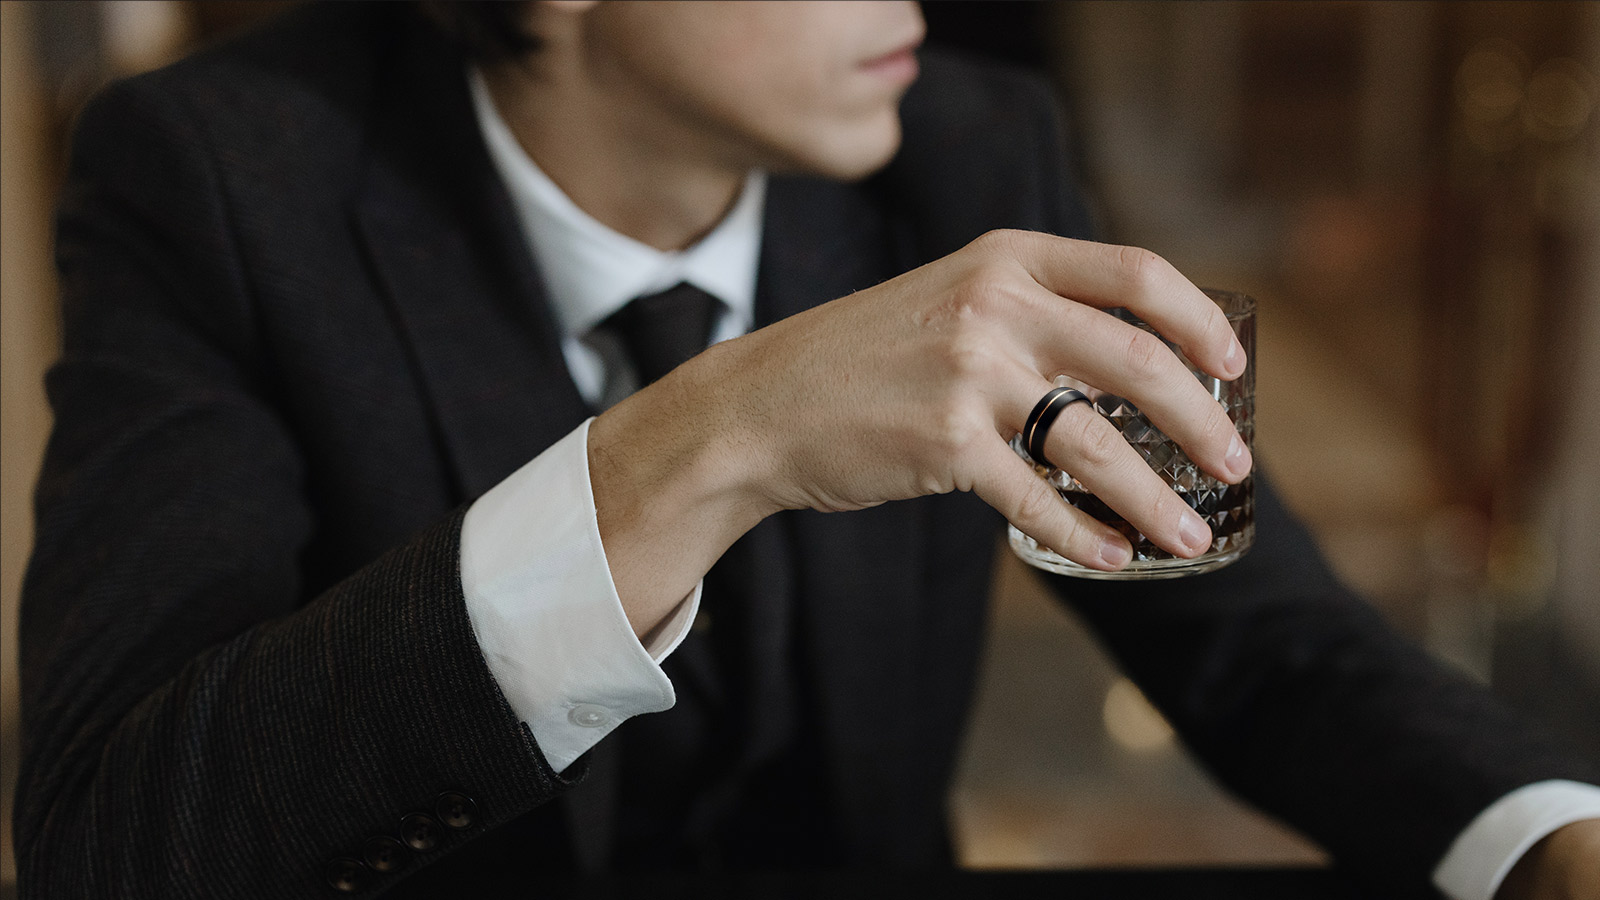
x,y
384,854
420,832
456,810
345,875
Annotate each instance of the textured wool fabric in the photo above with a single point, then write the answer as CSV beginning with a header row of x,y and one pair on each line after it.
x,y
300,332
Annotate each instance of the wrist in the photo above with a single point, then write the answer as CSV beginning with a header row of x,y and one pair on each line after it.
x,y
1559,867
675,483
691,438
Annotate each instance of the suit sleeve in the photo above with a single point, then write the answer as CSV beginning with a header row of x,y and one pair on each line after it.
x,y
1298,696
194,726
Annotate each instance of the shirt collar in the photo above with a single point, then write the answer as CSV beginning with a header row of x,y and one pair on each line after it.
x,y
590,271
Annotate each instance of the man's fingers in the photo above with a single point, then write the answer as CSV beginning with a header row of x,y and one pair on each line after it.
x,y
1116,357
1088,446
1010,486
1108,276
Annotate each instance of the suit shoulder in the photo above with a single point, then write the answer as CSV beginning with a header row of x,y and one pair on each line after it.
x,y
316,45
297,79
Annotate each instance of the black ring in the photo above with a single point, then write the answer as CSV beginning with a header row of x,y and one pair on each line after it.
x,y
1043,416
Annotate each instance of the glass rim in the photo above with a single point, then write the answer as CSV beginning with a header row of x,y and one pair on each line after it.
x,y
1235,305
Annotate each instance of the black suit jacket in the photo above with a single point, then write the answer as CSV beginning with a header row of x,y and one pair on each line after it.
x,y
302,331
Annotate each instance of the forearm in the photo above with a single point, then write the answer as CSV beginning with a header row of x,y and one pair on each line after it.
x,y
286,746
674,476
1563,866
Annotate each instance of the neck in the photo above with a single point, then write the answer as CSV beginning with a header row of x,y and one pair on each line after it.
x,y
624,163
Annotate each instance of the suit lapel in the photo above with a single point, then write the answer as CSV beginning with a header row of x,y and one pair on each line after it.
x,y
442,236
859,574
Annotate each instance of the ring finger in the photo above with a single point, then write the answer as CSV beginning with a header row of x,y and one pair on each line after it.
x,y
1085,444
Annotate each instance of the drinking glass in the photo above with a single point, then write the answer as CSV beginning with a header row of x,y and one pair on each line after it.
x,y
1228,508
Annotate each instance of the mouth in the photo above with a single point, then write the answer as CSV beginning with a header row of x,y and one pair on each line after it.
x,y
898,65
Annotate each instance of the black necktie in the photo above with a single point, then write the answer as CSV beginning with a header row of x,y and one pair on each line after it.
x,y
741,674
658,333
661,331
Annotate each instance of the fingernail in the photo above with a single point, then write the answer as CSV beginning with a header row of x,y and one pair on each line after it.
x,y
1236,461
1193,532
1114,553
1234,362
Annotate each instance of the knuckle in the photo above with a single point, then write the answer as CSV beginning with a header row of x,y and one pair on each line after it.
x,y
1219,428
997,241
1142,269
971,304
969,356
1146,357
1070,539
981,294
1037,503
935,483
952,430
1099,445
1162,508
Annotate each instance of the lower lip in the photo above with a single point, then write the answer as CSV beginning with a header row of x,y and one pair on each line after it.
x,y
900,68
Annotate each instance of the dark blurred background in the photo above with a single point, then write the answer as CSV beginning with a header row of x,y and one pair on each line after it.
x,y
1412,192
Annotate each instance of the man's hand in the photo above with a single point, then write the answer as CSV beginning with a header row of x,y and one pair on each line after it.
x,y
1563,866
914,387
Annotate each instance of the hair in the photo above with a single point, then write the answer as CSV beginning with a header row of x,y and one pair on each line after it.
x,y
487,32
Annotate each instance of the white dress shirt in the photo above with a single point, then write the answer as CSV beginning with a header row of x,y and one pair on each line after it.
x,y
538,588
539,591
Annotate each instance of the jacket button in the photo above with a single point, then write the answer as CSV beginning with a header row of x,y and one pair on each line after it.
x,y
455,809
384,854
345,875
420,832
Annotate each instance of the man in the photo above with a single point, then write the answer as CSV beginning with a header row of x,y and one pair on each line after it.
x,y
329,283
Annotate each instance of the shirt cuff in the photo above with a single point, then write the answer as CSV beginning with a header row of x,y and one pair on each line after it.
x,y
546,612
1482,855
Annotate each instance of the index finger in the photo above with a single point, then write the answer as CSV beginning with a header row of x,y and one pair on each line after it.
x,y
1108,276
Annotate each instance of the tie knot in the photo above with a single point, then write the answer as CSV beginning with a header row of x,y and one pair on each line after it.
x,y
661,331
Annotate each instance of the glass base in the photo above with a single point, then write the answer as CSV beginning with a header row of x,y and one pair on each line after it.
x,y
1139,570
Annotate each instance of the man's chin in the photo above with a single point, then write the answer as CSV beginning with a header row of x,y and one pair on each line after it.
x,y
853,163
